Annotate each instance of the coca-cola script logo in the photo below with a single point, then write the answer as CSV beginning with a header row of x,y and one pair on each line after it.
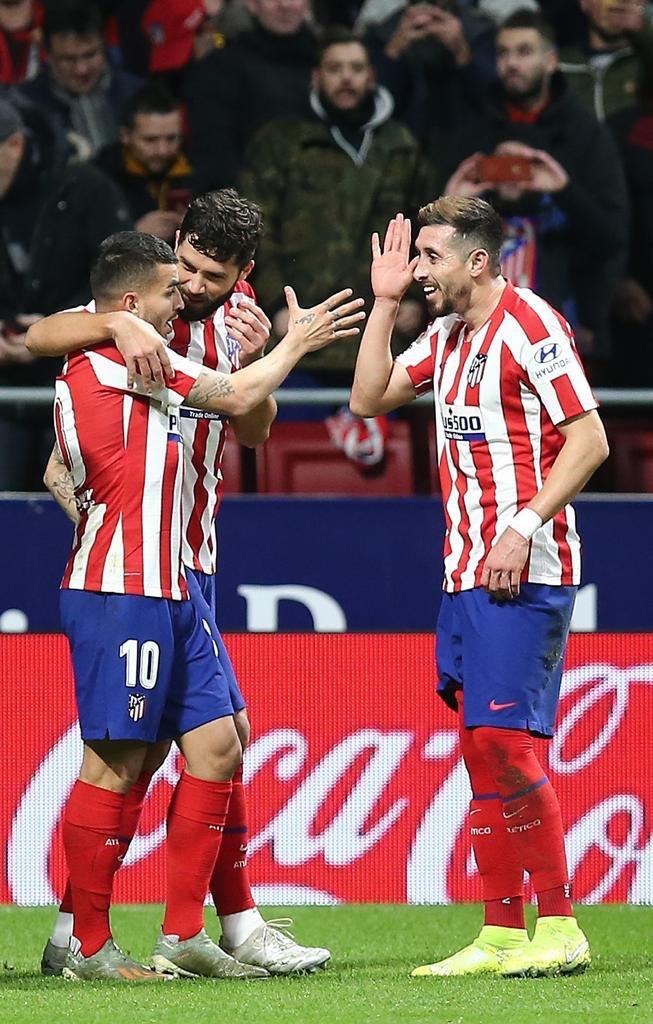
x,y
356,787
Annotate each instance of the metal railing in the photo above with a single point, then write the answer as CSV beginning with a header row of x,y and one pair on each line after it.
x,y
332,396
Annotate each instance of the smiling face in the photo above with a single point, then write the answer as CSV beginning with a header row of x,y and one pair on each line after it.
x,y
206,283
344,76
77,62
154,139
159,300
443,270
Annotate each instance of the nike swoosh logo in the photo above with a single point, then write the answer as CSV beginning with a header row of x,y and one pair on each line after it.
x,y
499,707
513,813
477,810
570,957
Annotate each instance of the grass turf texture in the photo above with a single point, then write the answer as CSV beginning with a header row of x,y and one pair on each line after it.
x,y
374,949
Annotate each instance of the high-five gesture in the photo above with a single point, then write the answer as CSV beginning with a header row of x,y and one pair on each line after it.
x,y
329,321
392,267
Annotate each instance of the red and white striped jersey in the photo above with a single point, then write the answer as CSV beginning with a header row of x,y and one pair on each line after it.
x,y
498,401
125,455
204,435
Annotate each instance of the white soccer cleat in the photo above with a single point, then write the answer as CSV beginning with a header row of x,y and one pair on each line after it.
x,y
273,947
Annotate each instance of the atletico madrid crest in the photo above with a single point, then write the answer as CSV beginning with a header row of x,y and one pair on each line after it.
x,y
476,370
137,702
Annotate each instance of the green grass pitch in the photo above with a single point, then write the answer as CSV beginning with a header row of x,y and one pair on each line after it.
x,y
373,948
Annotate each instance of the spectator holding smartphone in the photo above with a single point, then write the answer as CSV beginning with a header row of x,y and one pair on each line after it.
x,y
565,206
149,164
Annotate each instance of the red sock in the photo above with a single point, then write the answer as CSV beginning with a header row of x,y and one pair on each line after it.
x,y
131,812
555,902
196,818
530,809
501,874
230,886
91,833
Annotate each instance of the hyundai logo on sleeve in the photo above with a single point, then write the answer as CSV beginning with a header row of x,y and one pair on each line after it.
x,y
547,353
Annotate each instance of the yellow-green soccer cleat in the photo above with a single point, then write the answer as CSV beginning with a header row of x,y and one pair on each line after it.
x,y
200,956
558,947
485,955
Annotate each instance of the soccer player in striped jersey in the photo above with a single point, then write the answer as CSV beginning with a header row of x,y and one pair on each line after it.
x,y
126,611
216,248
518,437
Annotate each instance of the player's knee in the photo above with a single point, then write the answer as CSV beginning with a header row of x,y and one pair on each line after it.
x,y
243,728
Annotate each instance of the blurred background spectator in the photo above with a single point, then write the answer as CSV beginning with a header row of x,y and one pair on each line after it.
x,y
53,217
148,163
20,40
614,53
79,91
557,182
325,183
259,75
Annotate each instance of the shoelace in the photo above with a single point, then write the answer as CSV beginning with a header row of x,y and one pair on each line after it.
x,y
279,933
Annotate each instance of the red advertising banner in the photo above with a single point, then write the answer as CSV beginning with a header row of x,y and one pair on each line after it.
x,y
357,791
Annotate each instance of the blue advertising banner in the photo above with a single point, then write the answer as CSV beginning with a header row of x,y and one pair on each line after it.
x,y
335,565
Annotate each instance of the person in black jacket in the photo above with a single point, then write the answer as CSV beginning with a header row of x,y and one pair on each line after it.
x,y
149,164
259,75
565,209
81,93
52,220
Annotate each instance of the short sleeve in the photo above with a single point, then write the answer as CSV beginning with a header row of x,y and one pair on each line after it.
x,y
109,368
556,374
418,359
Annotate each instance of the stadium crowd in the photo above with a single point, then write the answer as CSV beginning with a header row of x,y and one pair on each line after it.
x,y
332,116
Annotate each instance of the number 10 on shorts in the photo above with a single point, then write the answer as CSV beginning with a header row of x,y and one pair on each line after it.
x,y
141,663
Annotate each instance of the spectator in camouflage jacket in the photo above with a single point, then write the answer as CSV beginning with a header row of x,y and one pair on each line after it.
x,y
606,72
325,184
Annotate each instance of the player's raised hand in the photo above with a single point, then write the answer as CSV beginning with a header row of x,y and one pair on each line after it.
x,y
144,351
249,325
392,267
337,317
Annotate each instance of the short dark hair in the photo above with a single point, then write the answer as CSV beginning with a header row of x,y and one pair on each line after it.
x,y
525,18
72,16
474,221
127,261
337,35
223,225
151,98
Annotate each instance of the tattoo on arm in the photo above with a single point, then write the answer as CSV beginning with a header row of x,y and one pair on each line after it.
x,y
62,489
207,387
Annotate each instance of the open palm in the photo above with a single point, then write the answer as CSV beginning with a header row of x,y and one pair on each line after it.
x,y
392,268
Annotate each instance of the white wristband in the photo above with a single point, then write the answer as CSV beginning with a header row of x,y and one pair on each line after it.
x,y
526,522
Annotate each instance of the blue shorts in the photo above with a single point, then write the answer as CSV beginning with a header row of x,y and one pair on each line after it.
x,y
206,585
507,657
146,669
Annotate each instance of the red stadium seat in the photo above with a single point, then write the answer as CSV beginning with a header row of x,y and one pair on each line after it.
x,y
232,467
300,458
631,456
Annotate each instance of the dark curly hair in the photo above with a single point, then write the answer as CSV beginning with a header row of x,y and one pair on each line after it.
x,y
223,226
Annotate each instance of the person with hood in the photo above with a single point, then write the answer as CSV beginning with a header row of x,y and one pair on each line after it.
x,y
326,182
563,196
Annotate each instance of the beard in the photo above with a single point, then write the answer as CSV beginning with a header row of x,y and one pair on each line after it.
x,y
192,312
529,91
445,303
